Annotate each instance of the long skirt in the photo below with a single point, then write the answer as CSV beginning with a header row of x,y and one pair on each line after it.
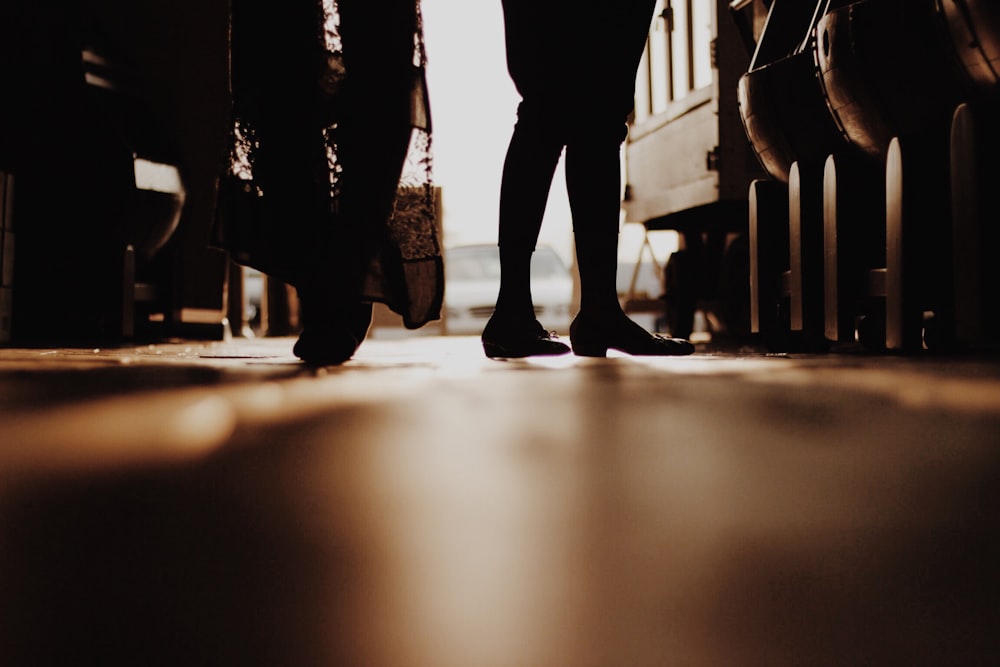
x,y
328,183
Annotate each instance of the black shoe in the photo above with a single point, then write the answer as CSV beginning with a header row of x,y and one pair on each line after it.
x,y
325,348
592,337
502,340
331,339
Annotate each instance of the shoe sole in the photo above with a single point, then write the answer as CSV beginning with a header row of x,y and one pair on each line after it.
x,y
494,351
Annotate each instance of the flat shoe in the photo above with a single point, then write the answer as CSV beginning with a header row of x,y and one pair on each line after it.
x,y
595,338
326,347
516,342
333,338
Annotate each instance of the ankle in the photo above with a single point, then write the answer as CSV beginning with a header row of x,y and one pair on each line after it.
x,y
607,313
507,311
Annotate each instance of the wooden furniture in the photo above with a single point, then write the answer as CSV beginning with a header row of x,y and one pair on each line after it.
x,y
689,163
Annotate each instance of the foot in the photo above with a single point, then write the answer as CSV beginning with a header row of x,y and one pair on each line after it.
x,y
325,348
330,339
504,339
593,336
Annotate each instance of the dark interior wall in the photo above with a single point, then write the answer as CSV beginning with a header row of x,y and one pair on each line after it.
x,y
69,151
180,50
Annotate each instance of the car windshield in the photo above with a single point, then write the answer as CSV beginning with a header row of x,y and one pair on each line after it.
x,y
473,265
545,263
483,263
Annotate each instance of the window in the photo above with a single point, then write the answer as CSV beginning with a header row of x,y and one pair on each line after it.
x,y
678,57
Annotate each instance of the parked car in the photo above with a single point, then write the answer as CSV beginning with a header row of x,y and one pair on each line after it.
x,y
253,296
472,280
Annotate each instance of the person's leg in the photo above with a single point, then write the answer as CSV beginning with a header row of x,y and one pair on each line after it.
x,y
372,135
531,160
532,157
535,46
375,118
535,51
604,97
593,182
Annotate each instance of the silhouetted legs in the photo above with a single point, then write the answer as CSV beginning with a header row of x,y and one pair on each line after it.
x,y
374,129
575,101
593,184
531,161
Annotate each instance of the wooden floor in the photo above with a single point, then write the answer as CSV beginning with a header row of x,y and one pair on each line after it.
x,y
422,506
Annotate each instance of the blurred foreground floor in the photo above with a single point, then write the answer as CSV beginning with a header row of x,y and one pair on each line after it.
x,y
422,506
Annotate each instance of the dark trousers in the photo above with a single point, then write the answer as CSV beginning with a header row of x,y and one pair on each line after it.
x,y
575,70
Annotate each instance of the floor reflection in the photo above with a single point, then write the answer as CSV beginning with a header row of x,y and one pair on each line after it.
x,y
601,513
